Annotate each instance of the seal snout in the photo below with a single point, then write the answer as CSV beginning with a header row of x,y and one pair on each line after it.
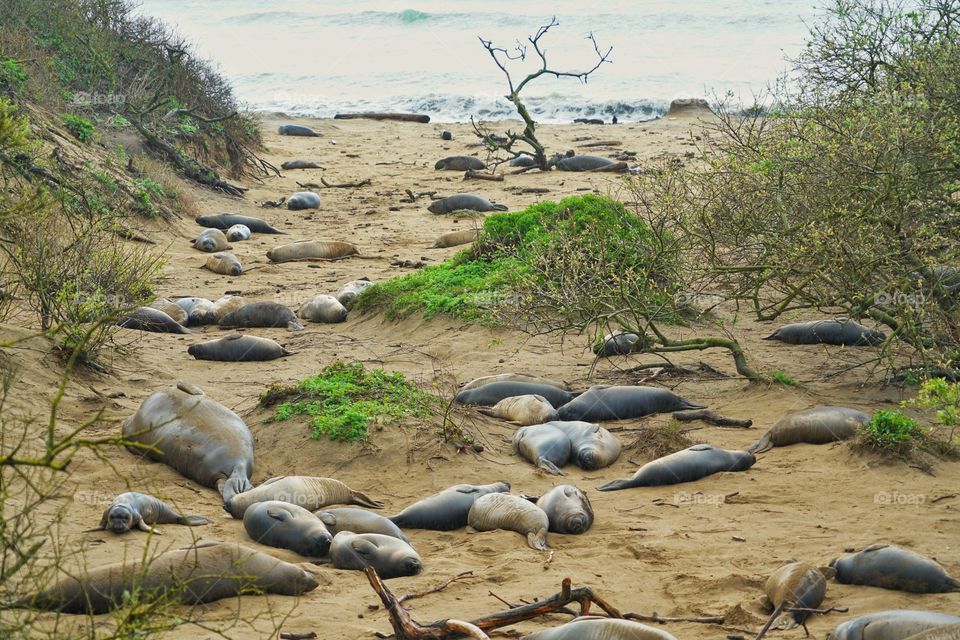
x,y
578,524
321,543
411,566
588,460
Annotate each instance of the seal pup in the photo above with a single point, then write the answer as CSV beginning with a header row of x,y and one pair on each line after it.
x,y
152,320
358,521
224,221
506,511
693,463
464,201
391,557
287,526
455,239
545,445
138,510
297,130
894,624
891,567
239,233
227,304
170,308
814,426
309,492
311,250
568,509
195,435
303,200
211,241
226,264
348,293
460,163
199,311
238,347
300,164
524,410
261,314
204,572
606,402
840,332
590,628
323,308
446,510
591,446
490,394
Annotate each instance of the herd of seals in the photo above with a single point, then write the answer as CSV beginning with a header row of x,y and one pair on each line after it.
x,y
206,442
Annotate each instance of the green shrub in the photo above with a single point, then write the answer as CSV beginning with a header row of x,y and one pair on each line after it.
x,y
942,395
782,378
892,431
81,128
12,76
147,192
344,398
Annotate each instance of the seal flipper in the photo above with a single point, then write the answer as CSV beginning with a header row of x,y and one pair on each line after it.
x,y
143,526
538,540
500,207
765,443
549,467
773,336
237,483
364,501
616,485
293,325
193,521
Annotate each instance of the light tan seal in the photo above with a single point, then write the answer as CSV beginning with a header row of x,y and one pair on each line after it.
x,y
795,584
454,239
813,426
513,377
523,410
226,264
304,491
311,250
601,629
170,308
506,511
210,241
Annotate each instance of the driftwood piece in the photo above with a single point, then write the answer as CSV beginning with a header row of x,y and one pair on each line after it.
x,y
371,115
480,175
297,635
602,143
712,418
345,185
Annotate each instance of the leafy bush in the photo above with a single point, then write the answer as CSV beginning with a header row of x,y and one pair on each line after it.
x,y
782,378
942,395
146,192
344,398
892,431
81,128
12,76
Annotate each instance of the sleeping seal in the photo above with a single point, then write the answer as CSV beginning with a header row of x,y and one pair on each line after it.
x,y
463,201
211,241
588,628
460,163
238,347
605,402
261,314
891,567
303,200
693,463
287,526
523,410
447,510
391,557
838,332
568,509
139,510
153,320
894,624
490,394
297,130
304,491
814,426
506,511
224,221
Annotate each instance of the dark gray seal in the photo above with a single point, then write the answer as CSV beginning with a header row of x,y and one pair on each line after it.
x,y
195,435
261,314
287,526
300,164
837,332
523,161
359,521
238,347
153,320
447,510
568,509
224,221
894,624
813,426
138,510
553,444
591,446
891,567
693,463
618,343
205,572
588,628
460,163
391,557
464,201
303,200
492,393
309,492
297,130
583,163
605,402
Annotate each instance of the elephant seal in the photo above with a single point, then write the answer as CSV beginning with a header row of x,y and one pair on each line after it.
x,y
287,526
359,521
460,163
795,584
588,628
894,624
239,233
583,163
391,557
205,572
447,510
605,402
238,348
506,511
304,491
568,509
454,239
693,463
170,308
211,241
490,394
512,377
227,304
836,332
312,250
524,410
523,161
591,446
226,220
138,510
199,311
891,567
618,343
814,426
226,264
348,293
463,201
948,632
303,200
323,308
261,314
153,320
545,445
300,164
197,436
297,130
446,135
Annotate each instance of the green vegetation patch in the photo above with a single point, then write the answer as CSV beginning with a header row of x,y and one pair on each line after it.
x,y
893,432
344,398
81,128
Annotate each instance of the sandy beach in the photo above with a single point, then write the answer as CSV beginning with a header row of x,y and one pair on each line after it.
x,y
696,549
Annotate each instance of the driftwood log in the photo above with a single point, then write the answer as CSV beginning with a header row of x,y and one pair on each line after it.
x,y
712,418
370,115
482,175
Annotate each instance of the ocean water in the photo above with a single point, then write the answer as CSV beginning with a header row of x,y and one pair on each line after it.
x,y
319,57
